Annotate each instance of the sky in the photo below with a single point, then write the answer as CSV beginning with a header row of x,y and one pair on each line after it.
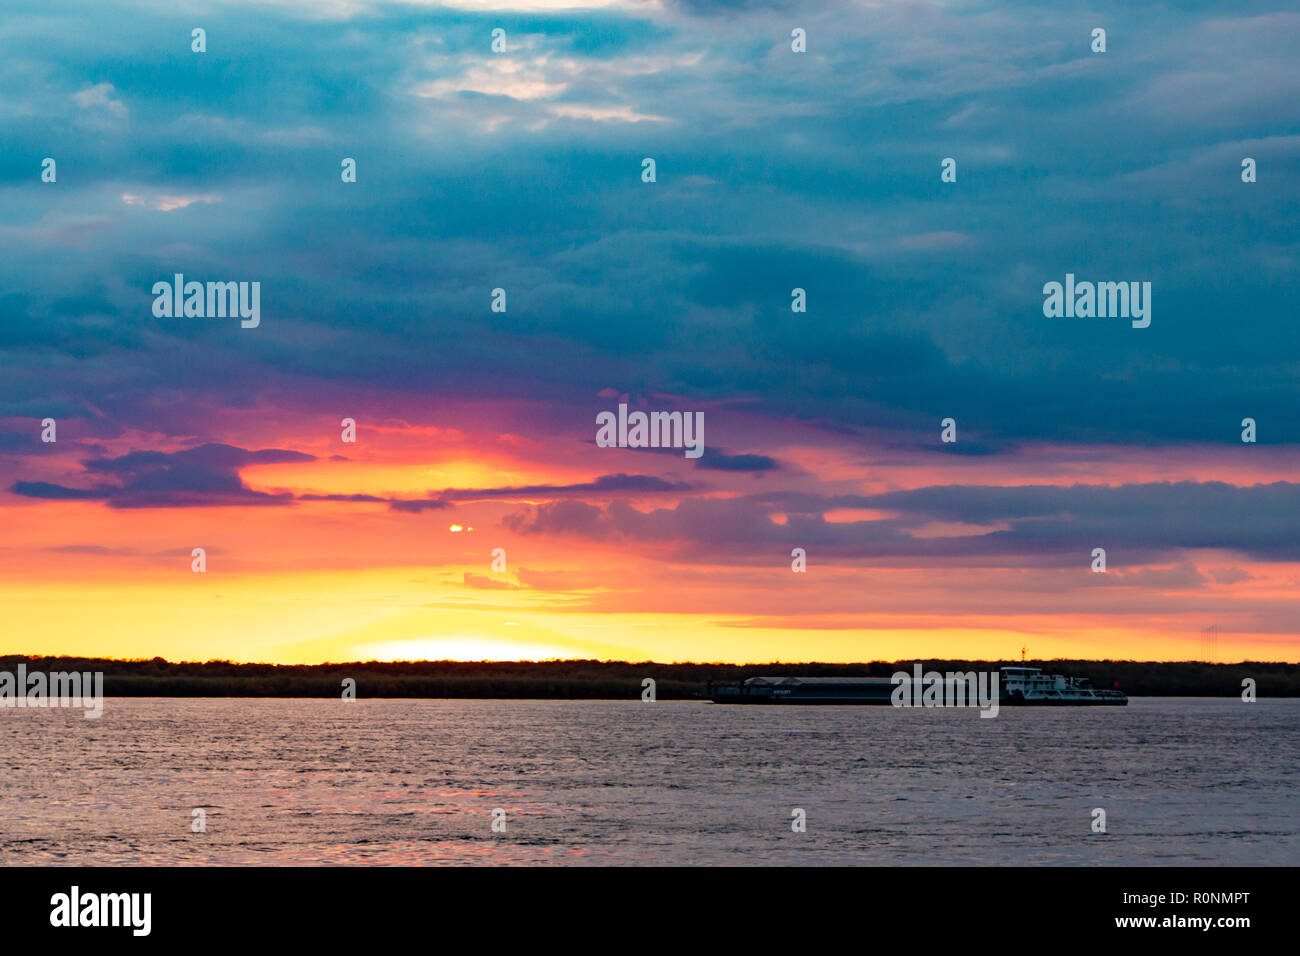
x,y
476,429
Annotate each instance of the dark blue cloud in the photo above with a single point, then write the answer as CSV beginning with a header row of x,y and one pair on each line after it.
x,y
716,460
605,484
1046,525
198,477
776,170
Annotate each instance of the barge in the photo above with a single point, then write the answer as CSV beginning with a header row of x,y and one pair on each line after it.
x,y
1017,686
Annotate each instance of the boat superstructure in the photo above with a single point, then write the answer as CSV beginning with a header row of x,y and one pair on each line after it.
x,y
1029,685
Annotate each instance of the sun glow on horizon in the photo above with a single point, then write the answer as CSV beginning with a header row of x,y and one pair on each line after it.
x,y
463,648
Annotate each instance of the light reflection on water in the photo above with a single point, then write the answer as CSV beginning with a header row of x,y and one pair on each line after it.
x,y
589,782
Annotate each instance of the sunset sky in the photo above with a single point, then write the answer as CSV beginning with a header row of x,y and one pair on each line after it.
x,y
476,429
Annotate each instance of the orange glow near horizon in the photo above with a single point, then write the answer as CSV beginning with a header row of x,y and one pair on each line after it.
x,y
311,581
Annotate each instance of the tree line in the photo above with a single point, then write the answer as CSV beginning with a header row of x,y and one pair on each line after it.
x,y
591,679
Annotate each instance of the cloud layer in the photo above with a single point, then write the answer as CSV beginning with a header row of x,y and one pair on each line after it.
x,y
775,171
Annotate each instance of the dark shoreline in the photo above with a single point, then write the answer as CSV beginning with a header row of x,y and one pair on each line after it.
x,y
608,680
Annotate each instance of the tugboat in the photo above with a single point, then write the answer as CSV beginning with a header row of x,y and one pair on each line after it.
x,y
1029,685
1018,686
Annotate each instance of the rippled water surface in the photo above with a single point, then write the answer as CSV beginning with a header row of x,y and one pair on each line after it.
x,y
415,782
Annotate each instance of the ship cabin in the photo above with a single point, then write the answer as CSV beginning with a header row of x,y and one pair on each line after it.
x,y
1030,684
1032,680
